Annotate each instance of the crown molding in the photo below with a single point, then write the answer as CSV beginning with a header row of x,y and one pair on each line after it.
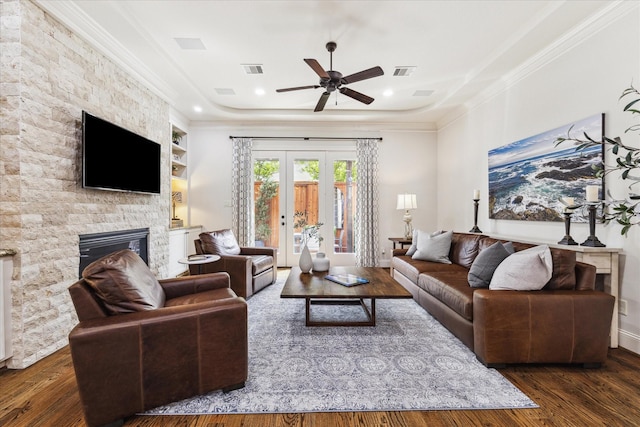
x,y
574,37
70,15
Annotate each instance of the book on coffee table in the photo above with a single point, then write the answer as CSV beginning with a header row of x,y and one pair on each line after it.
x,y
346,279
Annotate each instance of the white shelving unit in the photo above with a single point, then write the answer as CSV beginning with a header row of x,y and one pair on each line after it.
x,y
179,177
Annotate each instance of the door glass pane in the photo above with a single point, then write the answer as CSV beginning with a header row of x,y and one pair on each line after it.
x,y
306,174
344,204
266,197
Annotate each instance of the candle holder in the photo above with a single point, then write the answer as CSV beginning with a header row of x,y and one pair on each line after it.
x,y
567,239
592,240
475,228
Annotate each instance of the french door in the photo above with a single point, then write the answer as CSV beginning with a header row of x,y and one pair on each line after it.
x,y
297,189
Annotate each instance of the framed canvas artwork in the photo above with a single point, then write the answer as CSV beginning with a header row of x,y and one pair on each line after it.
x,y
528,177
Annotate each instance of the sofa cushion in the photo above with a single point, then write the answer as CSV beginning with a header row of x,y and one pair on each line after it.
x,y
260,263
411,268
564,270
486,262
464,248
198,297
124,283
451,288
527,270
433,248
220,242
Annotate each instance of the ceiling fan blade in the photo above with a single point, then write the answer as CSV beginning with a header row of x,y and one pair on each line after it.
x,y
288,89
321,102
356,95
315,65
363,75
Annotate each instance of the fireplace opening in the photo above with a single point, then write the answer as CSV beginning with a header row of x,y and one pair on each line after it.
x,y
95,246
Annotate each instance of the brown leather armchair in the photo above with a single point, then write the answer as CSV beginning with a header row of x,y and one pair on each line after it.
x,y
142,343
251,268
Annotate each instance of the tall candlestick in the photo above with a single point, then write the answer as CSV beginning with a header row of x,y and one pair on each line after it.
x,y
592,193
476,194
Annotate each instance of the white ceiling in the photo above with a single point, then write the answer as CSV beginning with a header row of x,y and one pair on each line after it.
x,y
459,49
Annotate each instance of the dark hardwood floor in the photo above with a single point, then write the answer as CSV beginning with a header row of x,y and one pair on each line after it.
x,y
45,394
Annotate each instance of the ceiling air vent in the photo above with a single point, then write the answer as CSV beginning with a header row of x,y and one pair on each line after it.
x,y
422,93
403,71
252,69
224,91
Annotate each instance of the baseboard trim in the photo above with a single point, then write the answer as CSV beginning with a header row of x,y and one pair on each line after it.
x,y
629,341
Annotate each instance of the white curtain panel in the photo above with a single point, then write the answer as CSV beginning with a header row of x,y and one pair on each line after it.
x,y
366,223
242,191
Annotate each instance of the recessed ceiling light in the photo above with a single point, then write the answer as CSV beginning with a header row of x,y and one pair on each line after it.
x,y
402,71
197,109
260,91
190,43
387,92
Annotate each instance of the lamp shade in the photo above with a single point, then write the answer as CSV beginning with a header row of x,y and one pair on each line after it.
x,y
176,197
407,201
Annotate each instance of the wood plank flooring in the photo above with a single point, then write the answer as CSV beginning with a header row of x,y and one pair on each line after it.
x,y
45,394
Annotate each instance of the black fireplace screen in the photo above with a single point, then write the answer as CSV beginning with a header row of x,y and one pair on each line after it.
x,y
95,246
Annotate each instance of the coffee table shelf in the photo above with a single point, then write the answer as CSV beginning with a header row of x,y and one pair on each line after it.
x,y
315,289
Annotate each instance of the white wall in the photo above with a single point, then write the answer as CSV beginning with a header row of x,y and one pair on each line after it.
x,y
407,163
571,83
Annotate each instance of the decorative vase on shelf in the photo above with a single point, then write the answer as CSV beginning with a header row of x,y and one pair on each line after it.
x,y
305,262
321,262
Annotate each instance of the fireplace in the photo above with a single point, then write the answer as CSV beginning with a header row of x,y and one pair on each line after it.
x,y
95,246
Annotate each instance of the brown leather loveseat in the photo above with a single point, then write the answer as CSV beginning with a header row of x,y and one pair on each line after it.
x,y
567,321
142,343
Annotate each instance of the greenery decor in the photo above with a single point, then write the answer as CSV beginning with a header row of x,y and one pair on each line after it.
x,y
625,212
309,231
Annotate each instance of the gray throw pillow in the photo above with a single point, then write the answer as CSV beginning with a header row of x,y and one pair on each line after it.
x,y
433,248
486,262
527,270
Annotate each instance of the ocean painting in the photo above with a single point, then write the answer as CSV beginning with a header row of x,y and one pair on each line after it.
x,y
527,177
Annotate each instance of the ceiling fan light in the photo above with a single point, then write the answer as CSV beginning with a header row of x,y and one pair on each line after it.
x,y
387,92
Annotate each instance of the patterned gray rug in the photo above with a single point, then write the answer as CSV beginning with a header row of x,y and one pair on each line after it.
x,y
407,362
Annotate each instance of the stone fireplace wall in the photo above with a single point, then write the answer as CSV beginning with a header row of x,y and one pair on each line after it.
x,y
49,75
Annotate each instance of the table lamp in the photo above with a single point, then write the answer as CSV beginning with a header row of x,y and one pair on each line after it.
x,y
407,202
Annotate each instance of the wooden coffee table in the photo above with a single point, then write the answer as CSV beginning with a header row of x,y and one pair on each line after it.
x,y
315,289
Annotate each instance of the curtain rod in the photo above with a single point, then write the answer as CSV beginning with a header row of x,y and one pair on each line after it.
x,y
304,138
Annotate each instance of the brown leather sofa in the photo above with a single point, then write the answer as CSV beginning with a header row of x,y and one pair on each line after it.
x,y
568,321
251,268
142,343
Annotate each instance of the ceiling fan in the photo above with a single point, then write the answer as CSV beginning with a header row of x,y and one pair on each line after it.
x,y
333,80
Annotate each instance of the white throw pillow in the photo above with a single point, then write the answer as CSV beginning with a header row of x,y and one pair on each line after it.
x,y
527,270
414,244
433,248
414,241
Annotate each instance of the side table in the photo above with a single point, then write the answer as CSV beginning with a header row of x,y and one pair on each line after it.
x,y
400,241
199,260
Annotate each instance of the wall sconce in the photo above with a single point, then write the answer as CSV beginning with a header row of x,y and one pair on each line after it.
x,y
407,202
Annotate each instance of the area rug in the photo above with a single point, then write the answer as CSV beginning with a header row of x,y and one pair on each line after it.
x,y
408,361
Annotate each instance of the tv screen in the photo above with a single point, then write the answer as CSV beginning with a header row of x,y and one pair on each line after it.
x,y
116,159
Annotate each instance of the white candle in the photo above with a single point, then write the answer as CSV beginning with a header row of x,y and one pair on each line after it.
x,y
569,201
592,193
476,194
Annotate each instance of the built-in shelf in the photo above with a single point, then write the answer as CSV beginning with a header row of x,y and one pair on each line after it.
x,y
179,177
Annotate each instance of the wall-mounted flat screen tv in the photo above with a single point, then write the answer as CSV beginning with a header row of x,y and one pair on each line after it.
x,y
114,158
